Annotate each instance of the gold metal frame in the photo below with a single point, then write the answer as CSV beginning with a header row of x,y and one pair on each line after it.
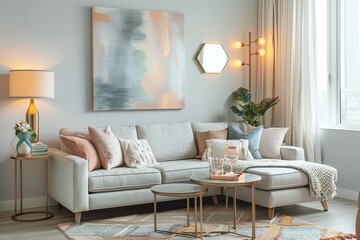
x,y
21,213
195,195
229,184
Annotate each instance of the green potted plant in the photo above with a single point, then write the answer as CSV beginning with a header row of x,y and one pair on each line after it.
x,y
250,111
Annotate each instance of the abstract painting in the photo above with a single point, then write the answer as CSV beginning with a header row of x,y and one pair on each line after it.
x,y
138,59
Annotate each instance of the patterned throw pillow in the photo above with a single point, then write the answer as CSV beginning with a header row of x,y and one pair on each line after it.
x,y
107,146
254,138
201,138
138,153
271,141
217,147
83,148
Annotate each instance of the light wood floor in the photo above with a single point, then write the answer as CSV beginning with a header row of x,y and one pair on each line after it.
x,y
341,216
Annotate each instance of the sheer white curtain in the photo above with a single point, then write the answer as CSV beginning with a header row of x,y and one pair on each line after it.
x,y
289,70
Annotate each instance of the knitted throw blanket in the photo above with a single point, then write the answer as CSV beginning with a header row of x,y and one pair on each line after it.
x,y
321,177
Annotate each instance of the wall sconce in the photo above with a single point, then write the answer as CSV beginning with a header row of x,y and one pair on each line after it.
x,y
31,84
212,58
261,52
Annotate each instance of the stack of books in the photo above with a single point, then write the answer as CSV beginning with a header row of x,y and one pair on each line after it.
x,y
39,149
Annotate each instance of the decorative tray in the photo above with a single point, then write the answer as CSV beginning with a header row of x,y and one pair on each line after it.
x,y
234,177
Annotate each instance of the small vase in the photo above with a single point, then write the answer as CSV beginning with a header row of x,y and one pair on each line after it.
x,y
23,147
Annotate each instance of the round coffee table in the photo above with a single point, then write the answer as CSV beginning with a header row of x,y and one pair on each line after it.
x,y
181,190
246,179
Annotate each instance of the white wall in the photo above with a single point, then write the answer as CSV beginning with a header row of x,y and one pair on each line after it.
x,y
341,149
56,35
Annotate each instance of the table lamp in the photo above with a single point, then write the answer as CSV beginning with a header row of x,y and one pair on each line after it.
x,y
31,84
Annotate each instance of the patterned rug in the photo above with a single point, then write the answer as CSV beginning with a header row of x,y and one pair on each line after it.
x,y
140,226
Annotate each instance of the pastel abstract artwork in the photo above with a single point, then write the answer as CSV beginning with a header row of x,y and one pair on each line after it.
x,y
138,59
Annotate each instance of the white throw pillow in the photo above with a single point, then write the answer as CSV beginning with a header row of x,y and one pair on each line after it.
x,y
137,153
107,146
271,141
217,146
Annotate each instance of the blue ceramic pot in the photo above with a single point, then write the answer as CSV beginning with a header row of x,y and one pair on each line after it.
x,y
23,147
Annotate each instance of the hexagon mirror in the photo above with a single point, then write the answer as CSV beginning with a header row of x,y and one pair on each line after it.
x,y
212,58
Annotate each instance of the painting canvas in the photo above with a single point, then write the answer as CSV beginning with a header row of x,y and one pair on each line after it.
x,y
138,59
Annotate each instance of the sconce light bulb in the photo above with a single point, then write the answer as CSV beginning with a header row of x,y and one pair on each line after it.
x,y
261,41
238,44
239,63
261,52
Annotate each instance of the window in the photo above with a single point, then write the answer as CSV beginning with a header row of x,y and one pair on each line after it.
x,y
338,40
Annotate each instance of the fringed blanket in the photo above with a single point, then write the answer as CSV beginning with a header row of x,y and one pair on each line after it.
x,y
321,177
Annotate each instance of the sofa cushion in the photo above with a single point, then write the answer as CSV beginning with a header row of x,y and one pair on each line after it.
x,y
181,170
254,137
203,127
279,178
82,147
123,178
271,141
137,153
201,138
172,141
217,147
128,132
107,146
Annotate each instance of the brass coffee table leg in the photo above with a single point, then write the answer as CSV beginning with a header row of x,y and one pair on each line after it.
x,y
234,206
253,210
201,216
195,206
187,211
154,212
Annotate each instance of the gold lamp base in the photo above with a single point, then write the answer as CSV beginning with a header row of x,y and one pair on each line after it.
x,y
32,117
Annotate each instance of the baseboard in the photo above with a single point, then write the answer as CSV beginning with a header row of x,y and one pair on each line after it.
x,y
27,203
347,194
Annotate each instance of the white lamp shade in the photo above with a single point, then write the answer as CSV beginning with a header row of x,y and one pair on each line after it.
x,y
31,84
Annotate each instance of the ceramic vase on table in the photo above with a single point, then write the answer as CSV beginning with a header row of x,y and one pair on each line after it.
x,y
23,147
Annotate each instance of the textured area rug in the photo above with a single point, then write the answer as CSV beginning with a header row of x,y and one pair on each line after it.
x,y
215,219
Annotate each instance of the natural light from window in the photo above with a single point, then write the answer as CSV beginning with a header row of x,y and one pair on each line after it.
x,y
322,63
350,62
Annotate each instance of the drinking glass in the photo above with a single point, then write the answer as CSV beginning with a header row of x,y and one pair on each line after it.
x,y
216,166
231,155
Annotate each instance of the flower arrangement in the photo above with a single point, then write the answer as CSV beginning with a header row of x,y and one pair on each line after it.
x,y
250,111
23,126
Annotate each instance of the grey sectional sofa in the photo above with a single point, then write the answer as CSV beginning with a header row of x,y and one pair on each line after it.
x,y
174,147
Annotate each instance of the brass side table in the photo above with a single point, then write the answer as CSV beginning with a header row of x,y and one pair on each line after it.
x,y
46,213
187,190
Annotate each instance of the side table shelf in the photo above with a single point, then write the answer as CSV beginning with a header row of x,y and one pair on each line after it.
x,y
17,214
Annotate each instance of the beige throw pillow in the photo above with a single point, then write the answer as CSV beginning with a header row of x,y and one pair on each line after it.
x,y
217,147
271,141
107,146
138,153
201,138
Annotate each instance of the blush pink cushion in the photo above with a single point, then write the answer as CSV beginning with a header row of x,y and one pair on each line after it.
x,y
107,146
83,148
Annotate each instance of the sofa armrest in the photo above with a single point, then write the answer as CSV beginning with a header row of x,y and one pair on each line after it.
x,y
68,180
292,153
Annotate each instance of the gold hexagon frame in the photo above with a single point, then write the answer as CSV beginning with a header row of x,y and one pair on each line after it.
x,y
212,58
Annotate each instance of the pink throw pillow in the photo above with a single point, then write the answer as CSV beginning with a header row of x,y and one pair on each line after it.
x,y
83,148
107,146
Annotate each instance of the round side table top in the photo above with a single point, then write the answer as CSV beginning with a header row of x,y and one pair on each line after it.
x,y
247,179
177,189
33,157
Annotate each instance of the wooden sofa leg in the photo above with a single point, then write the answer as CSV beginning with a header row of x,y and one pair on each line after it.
x,y
215,200
271,213
77,217
325,205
